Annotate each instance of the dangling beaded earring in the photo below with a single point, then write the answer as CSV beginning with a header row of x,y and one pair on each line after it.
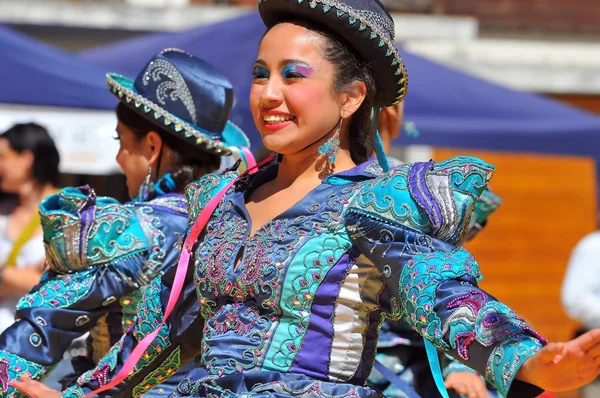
x,y
144,190
331,146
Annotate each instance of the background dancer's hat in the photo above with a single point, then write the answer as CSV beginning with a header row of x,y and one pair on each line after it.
x,y
365,24
187,96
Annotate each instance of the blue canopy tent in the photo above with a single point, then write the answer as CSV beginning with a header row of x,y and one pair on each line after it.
x,y
450,108
37,74
63,93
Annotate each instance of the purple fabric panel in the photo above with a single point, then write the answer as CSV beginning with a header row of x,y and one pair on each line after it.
x,y
86,219
420,192
313,358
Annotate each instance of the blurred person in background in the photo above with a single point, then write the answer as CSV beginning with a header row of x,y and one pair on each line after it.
x,y
581,292
7,202
400,349
28,169
102,254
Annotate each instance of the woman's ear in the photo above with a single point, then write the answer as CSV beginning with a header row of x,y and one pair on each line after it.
x,y
353,98
154,145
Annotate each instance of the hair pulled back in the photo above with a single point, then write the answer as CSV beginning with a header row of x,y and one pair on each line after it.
x,y
189,161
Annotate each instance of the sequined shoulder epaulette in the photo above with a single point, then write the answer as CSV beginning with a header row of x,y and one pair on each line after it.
x,y
82,231
435,198
199,193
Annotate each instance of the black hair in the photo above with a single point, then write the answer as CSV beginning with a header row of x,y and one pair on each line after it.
x,y
349,66
34,138
190,162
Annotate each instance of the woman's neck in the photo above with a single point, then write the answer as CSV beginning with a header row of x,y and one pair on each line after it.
x,y
309,164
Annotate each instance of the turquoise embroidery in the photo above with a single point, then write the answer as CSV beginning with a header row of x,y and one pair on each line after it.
x,y
153,227
506,359
304,274
165,370
73,392
434,198
59,292
105,365
419,280
150,316
82,231
388,196
199,193
17,367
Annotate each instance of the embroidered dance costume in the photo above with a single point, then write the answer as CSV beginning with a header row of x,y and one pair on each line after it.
x,y
299,315
102,255
400,348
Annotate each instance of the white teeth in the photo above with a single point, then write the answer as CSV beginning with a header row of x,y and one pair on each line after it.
x,y
276,118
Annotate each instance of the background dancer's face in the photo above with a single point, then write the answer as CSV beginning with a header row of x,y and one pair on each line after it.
x,y
15,168
292,97
136,155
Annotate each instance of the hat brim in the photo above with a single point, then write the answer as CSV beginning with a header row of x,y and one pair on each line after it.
x,y
368,38
123,88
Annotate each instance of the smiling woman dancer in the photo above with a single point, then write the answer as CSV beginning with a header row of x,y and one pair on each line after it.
x,y
298,263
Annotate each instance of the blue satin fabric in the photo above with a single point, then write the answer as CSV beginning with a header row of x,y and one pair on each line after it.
x,y
209,91
62,307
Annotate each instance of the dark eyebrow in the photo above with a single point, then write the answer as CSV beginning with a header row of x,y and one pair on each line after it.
x,y
287,62
283,63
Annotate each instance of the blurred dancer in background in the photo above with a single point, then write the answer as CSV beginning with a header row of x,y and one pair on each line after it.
x,y
28,169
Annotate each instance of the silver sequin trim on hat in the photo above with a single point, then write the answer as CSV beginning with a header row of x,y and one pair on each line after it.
x,y
380,27
375,19
175,89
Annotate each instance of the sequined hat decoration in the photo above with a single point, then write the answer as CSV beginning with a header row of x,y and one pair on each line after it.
x,y
365,24
186,96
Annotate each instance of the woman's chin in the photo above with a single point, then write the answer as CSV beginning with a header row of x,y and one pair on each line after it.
x,y
283,146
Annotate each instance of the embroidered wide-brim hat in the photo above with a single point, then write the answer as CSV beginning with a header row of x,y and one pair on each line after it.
x,y
186,96
365,24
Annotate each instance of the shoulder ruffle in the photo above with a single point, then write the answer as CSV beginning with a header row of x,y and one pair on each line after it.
x,y
434,198
82,231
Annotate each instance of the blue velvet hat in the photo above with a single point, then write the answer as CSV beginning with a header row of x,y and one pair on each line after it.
x,y
365,24
186,96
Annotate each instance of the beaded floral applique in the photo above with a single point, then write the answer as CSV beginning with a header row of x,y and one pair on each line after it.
x,y
60,291
488,323
13,366
104,366
150,316
506,359
419,281
158,376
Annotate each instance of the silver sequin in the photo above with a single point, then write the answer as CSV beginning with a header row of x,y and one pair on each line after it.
x,y
175,88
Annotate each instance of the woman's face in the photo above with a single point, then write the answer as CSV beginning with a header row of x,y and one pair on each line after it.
x,y
133,157
292,99
15,167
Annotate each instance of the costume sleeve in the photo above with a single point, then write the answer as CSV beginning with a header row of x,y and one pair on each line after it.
x,y
406,223
177,343
179,340
95,249
581,287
